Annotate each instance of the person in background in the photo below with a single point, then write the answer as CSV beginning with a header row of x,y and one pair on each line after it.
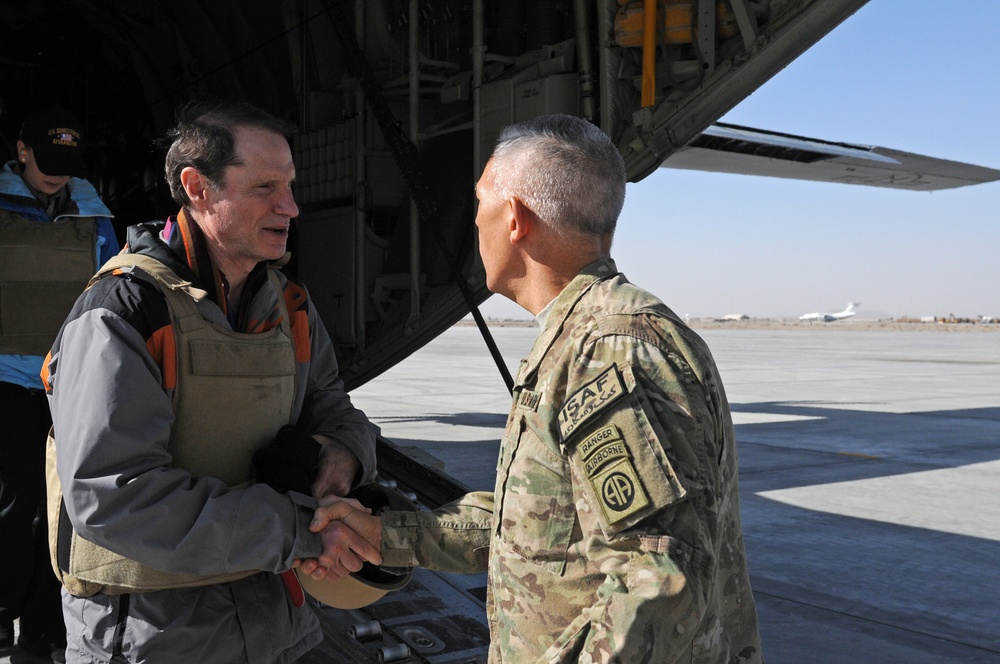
x,y
191,353
613,534
54,234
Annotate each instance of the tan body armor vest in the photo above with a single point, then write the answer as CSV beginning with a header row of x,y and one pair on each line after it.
x,y
234,392
44,266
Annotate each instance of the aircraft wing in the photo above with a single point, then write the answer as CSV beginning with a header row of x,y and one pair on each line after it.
x,y
726,148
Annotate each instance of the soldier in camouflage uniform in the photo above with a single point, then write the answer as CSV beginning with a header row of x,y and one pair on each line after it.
x,y
613,534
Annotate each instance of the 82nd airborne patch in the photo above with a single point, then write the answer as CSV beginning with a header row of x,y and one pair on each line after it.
x,y
609,468
619,491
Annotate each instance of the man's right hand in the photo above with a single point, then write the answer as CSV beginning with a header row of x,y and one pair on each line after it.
x,y
361,521
347,540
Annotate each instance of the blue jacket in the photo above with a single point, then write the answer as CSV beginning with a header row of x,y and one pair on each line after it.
x,y
17,198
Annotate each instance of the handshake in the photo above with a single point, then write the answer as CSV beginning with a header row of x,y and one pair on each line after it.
x,y
351,536
323,467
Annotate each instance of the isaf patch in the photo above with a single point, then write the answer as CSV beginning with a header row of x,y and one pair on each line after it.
x,y
589,400
609,467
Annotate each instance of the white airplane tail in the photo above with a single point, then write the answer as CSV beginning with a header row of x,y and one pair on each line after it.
x,y
848,312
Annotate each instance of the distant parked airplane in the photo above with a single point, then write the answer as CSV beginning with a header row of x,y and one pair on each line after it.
x,y
846,313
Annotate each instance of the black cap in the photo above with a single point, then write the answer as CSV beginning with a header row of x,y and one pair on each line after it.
x,y
55,138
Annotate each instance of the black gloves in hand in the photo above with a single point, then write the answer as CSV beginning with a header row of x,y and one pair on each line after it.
x,y
289,462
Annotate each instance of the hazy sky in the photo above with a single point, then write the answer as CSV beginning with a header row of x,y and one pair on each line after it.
x,y
914,75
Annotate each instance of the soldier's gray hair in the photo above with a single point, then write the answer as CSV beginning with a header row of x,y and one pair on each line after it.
x,y
565,169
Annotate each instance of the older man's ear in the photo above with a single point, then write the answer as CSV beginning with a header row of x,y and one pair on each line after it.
x,y
523,220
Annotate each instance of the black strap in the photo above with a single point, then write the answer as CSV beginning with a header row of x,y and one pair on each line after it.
x,y
117,645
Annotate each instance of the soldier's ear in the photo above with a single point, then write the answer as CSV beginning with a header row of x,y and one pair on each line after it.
x,y
522,220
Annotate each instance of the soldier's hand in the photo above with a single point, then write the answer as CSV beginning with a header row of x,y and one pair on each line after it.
x,y
360,521
344,549
338,467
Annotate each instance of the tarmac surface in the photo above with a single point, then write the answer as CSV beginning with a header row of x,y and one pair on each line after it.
x,y
870,475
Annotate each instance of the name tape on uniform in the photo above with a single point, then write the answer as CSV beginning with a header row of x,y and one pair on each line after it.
x,y
529,400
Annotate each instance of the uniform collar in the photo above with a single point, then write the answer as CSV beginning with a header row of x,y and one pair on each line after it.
x,y
560,309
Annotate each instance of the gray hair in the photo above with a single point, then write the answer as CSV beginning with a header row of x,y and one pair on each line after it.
x,y
205,139
565,169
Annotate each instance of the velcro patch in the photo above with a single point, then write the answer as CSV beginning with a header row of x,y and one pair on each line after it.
x,y
601,447
597,439
604,454
529,400
619,491
590,400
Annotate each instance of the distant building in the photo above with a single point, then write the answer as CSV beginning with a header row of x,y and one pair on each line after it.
x,y
736,317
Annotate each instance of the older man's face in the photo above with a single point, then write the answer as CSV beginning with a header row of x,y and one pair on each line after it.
x,y
248,219
492,219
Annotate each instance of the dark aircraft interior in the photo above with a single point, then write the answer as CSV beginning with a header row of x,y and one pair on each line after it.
x,y
387,153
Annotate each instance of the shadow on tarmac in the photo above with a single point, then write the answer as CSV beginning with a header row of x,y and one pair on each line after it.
x,y
834,588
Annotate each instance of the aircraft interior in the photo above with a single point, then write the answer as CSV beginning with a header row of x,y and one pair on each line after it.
x,y
398,103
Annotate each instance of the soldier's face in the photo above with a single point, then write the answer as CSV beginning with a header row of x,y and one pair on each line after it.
x,y
492,219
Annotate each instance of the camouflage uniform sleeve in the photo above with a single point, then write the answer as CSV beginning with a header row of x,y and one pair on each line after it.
x,y
639,455
452,538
